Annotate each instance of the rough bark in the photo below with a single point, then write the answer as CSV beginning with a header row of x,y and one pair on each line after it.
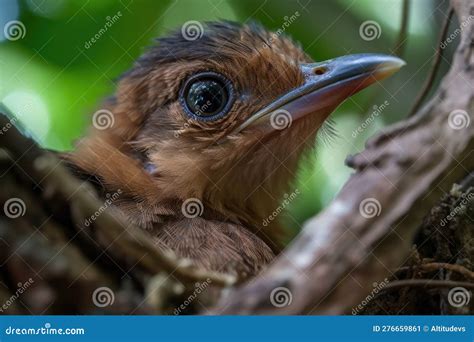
x,y
44,237
367,231
367,234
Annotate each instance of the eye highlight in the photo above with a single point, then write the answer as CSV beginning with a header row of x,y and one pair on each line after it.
x,y
207,96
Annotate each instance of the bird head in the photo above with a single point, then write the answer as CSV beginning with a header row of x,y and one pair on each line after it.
x,y
223,118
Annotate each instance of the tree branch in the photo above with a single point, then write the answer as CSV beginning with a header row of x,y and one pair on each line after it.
x,y
434,67
113,231
368,230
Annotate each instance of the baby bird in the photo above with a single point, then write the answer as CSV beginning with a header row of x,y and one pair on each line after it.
x,y
205,135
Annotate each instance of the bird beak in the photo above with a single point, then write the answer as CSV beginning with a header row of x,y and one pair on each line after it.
x,y
326,85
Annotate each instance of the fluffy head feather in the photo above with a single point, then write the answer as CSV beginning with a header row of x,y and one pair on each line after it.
x,y
159,157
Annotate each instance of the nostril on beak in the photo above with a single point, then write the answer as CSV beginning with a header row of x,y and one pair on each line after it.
x,y
320,70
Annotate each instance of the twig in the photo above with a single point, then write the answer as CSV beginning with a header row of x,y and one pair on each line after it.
x,y
400,45
435,66
370,226
46,169
436,266
398,49
427,283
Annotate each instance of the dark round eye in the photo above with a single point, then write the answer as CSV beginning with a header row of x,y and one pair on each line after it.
x,y
207,96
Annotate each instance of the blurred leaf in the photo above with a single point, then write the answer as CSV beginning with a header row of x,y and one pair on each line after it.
x,y
182,11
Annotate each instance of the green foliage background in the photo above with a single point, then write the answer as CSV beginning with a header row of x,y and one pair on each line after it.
x,y
52,82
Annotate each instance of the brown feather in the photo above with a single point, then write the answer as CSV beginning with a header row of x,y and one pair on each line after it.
x,y
240,183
